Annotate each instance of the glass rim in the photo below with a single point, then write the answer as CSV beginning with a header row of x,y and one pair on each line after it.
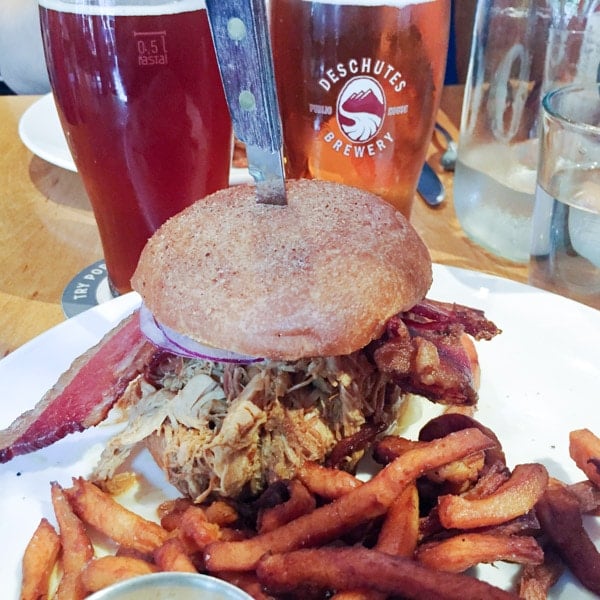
x,y
558,114
122,8
200,584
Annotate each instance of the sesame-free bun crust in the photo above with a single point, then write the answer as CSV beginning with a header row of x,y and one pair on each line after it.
x,y
318,277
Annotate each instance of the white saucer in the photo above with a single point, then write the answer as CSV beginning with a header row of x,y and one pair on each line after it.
x,y
41,132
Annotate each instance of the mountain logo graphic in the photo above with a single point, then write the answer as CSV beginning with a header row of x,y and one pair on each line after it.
x,y
361,109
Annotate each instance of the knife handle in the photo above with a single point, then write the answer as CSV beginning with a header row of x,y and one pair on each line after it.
x,y
241,38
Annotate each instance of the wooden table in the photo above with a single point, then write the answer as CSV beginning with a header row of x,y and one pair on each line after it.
x,y
48,232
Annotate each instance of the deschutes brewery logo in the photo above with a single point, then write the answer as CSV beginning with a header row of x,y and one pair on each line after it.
x,y
361,109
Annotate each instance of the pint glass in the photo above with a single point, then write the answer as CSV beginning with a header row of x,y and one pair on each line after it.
x,y
359,84
140,99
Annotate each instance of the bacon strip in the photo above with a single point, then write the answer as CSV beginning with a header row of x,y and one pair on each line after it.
x,y
84,394
436,313
424,350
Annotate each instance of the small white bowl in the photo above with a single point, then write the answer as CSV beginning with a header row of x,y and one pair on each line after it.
x,y
171,586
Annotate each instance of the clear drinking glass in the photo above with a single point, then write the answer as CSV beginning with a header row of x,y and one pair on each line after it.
x,y
359,85
140,99
520,49
565,249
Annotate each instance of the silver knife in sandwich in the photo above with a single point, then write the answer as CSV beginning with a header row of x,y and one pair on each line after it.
x,y
242,43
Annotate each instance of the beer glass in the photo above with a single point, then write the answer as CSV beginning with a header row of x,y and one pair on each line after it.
x,y
140,99
359,84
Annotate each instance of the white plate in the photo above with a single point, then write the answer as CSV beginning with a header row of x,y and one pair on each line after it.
x,y
41,132
540,379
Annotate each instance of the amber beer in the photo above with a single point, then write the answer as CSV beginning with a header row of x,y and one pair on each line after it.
x,y
359,84
140,99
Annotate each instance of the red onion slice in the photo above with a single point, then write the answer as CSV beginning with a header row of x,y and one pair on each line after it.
x,y
182,345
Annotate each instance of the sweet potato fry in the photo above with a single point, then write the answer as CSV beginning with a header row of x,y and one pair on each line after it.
x,y
326,482
77,548
400,530
398,536
359,595
458,553
512,499
460,472
391,447
100,510
230,534
584,448
526,524
370,500
221,513
198,529
495,475
559,514
300,502
338,568
536,580
171,511
102,572
38,561
588,496
452,421
171,556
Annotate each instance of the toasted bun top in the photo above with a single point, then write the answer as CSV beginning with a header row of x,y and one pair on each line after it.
x,y
318,277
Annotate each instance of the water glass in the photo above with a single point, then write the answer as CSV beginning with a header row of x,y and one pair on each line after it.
x,y
521,48
565,248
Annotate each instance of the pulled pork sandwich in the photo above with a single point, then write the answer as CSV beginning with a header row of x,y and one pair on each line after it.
x,y
276,335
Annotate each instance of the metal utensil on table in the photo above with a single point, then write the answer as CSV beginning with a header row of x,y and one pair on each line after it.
x,y
241,38
448,158
430,187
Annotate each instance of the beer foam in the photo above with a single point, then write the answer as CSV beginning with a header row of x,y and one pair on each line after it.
x,y
124,8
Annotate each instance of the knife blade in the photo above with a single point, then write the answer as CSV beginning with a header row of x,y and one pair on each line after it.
x,y
430,187
241,38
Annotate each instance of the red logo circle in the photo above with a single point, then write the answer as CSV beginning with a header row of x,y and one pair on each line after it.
x,y
361,108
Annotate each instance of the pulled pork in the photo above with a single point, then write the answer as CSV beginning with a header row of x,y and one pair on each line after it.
x,y
233,429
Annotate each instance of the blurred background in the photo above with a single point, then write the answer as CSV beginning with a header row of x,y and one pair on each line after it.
x,y
22,65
